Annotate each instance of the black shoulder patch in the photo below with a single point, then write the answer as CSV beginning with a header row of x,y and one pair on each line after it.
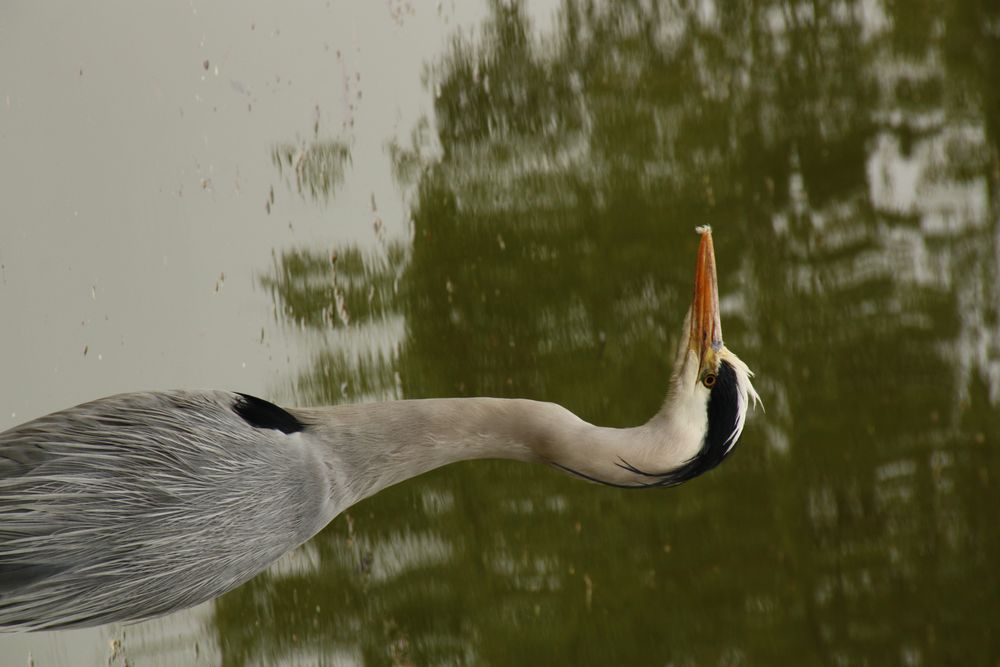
x,y
262,414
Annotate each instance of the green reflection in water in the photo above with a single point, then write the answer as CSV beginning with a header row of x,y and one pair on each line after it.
x,y
318,167
846,154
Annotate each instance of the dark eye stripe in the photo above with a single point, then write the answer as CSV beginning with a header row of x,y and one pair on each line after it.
x,y
723,413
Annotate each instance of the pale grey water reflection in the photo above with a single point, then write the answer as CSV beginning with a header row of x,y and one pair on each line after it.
x,y
519,223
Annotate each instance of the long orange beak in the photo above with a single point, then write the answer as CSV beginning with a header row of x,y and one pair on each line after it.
x,y
706,324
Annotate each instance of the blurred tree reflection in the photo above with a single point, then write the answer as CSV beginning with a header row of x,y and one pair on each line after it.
x,y
318,168
847,155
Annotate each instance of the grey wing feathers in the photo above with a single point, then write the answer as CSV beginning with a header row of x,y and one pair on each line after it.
x,y
140,504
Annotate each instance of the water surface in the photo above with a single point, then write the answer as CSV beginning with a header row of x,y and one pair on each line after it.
x,y
520,223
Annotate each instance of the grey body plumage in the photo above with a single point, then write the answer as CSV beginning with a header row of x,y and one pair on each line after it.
x,y
190,479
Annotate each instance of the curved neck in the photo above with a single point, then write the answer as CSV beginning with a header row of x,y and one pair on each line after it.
x,y
367,447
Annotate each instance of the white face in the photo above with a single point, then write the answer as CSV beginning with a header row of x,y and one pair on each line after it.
x,y
693,381
682,437
687,406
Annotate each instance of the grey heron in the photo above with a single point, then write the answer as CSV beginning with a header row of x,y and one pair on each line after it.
x,y
138,505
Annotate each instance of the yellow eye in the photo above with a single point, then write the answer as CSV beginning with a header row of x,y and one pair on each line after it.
x,y
709,380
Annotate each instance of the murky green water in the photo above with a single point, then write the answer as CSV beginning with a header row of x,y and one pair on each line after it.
x,y
847,157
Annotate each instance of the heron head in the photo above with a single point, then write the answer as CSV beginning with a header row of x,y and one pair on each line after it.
x,y
711,391
699,423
